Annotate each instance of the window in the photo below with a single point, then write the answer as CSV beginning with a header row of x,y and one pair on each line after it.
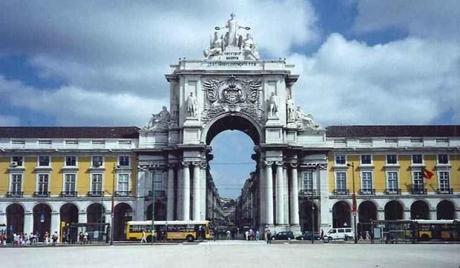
x,y
18,142
392,159
71,161
17,160
96,182
69,183
43,161
98,161
392,185
444,181
44,142
443,159
123,183
16,183
366,159
341,181
417,159
71,142
123,160
98,141
340,159
308,181
158,183
418,180
43,183
367,181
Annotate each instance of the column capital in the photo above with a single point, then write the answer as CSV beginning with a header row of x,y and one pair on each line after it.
x,y
279,163
267,163
185,164
293,164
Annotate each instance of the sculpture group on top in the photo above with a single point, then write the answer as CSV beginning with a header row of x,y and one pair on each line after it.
x,y
232,42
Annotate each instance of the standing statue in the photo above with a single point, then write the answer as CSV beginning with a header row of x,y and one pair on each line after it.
x,y
216,46
273,105
291,111
249,48
232,36
191,105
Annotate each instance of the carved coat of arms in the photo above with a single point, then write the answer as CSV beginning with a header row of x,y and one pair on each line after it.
x,y
232,95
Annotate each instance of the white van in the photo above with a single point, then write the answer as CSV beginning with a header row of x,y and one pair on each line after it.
x,y
340,233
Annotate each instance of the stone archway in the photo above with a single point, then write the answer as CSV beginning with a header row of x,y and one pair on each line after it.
x,y
393,211
420,210
95,213
122,214
445,210
367,212
15,218
341,216
42,220
68,214
160,211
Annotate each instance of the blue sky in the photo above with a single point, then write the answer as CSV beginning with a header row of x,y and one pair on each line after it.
x,y
103,62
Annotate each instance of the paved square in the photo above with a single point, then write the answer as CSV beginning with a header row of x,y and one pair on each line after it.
x,y
236,254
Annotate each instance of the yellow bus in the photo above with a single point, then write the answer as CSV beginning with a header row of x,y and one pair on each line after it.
x,y
169,230
438,229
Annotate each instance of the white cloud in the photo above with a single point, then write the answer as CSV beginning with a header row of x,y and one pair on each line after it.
x,y
9,120
423,18
410,81
76,106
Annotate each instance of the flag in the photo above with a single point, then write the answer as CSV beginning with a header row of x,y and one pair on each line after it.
x,y
427,174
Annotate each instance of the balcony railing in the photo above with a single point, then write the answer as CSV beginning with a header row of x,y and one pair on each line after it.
x,y
418,190
95,193
69,194
366,192
445,191
122,193
393,191
14,194
341,192
308,192
41,194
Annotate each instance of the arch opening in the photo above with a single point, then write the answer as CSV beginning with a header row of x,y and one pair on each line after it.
x,y
341,215
420,210
233,122
393,211
14,219
95,213
308,216
367,212
445,210
42,221
122,214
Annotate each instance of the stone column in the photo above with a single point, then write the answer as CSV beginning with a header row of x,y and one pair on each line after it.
x,y
196,192
279,181
294,196
286,195
203,191
262,196
82,217
55,223
170,194
139,212
180,194
28,222
186,192
268,194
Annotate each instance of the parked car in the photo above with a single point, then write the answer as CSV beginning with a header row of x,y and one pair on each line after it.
x,y
339,233
284,235
307,236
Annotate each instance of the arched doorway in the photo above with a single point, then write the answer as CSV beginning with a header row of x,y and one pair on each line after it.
x,y
15,219
68,214
367,212
445,210
341,215
393,211
308,215
160,211
122,214
420,210
95,213
42,220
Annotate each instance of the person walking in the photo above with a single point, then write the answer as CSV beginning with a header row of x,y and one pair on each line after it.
x,y
55,238
269,236
257,235
144,237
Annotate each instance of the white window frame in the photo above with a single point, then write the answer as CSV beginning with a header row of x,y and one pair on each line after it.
x,y
118,181
392,164
76,160
362,179
419,164
361,160
10,186
336,180
335,159
64,180
92,161
448,180
37,184
129,161
448,159
398,186
312,180
91,182
413,178
38,161
23,158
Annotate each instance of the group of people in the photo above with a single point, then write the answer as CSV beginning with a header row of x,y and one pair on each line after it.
x,y
24,239
251,235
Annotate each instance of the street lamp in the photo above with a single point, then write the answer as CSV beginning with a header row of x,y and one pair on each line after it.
x,y
112,212
353,198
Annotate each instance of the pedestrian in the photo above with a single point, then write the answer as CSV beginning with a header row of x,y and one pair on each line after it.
x,y
80,237
144,237
85,237
269,236
322,235
55,238
246,235
257,235
46,238
229,234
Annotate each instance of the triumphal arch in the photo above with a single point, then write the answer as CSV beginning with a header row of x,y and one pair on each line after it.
x,y
233,88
